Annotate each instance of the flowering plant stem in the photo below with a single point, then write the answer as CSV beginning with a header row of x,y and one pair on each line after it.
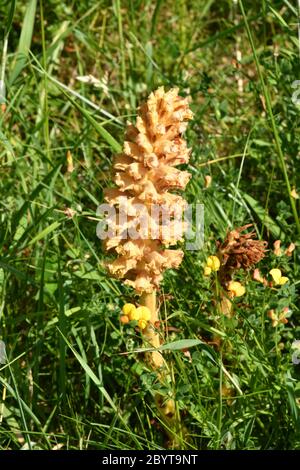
x,y
150,333
165,405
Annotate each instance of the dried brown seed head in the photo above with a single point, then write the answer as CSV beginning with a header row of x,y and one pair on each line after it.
x,y
239,251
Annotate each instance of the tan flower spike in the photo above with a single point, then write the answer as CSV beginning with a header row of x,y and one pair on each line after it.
x,y
144,173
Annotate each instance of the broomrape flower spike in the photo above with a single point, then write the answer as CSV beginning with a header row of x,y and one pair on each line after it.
x,y
145,172
278,279
239,251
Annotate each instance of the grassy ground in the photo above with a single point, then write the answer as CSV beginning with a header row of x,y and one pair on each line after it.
x,y
66,384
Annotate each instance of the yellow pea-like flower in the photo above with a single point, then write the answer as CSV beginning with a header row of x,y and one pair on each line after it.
x,y
169,408
134,315
278,279
124,319
142,323
128,308
236,289
144,313
213,262
207,271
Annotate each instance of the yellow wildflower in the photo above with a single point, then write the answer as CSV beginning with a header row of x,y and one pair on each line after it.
x,y
124,319
278,279
134,315
213,262
142,323
294,194
236,289
278,318
128,308
207,271
144,313
144,316
208,180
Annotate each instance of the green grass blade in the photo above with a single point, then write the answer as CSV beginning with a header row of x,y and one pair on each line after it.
x,y
114,145
62,344
44,232
90,373
25,41
265,219
267,97
10,16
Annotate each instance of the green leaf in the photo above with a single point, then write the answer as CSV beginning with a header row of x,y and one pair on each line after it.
x,y
90,373
174,346
180,344
265,219
10,16
25,41
279,17
11,269
6,144
49,178
14,394
44,232
292,401
115,146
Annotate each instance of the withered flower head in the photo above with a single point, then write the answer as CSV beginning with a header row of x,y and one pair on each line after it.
x,y
144,173
239,251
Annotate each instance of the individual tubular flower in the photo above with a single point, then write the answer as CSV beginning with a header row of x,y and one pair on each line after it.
x,y
277,248
144,174
208,180
290,249
258,277
278,318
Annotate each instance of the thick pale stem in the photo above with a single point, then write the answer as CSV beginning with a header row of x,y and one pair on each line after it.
x,y
166,406
225,306
150,333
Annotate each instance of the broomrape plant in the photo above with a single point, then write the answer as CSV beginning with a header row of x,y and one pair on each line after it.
x,y
145,174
